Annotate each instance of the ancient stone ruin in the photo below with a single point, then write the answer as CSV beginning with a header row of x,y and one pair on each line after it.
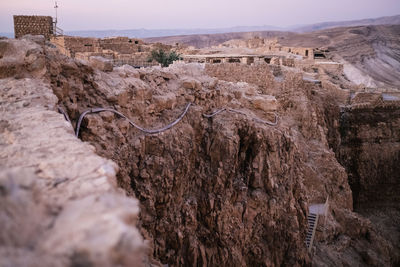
x,y
34,25
274,157
119,50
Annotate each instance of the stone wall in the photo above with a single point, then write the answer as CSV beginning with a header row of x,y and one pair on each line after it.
x,y
303,51
288,62
259,75
122,45
121,50
330,66
81,44
35,25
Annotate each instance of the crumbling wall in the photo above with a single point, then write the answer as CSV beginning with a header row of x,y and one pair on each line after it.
x,y
330,66
306,52
259,75
59,42
122,45
122,50
288,62
82,44
255,42
34,25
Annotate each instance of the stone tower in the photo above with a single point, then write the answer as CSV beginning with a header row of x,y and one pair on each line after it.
x,y
35,25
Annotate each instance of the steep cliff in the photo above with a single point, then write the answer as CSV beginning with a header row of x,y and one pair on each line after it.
x,y
228,189
370,150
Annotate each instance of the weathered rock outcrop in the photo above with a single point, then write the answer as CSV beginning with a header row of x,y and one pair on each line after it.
x,y
213,191
346,238
59,201
370,149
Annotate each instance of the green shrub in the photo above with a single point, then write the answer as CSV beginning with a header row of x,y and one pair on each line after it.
x,y
164,58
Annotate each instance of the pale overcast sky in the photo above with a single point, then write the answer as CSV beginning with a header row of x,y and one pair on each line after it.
x,y
167,14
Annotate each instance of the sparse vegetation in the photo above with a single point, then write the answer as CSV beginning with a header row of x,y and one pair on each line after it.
x,y
163,57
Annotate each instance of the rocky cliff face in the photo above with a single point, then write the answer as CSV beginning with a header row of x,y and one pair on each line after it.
x,y
213,191
221,194
59,203
370,150
317,115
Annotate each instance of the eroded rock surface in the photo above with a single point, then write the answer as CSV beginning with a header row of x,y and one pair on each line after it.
x,y
59,203
214,191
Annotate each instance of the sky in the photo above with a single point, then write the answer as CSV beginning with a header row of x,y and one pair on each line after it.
x,y
184,14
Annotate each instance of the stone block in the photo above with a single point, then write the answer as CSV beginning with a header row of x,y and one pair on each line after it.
x,y
265,102
101,63
191,84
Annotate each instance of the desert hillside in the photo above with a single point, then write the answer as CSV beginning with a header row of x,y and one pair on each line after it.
x,y
207,40
388,20
373,50
370,53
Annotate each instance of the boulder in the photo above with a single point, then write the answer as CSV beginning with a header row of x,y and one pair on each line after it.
x,y
265,102
101,63
192,84
21,59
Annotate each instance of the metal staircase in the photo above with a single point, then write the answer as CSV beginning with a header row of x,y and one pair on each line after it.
x,y
312,226
314,211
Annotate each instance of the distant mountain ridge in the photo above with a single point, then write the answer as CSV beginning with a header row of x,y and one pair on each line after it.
x,y
389,20
207,40
146,33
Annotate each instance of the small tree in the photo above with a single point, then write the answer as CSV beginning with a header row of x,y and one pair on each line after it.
x,y
164,58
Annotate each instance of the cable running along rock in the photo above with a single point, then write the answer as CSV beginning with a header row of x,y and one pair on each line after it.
x,y
155,131
149,131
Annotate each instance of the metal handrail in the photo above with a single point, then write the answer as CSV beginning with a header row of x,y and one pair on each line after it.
x,y
57,30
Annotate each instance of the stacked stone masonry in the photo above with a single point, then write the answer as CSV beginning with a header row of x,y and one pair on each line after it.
x,y
121,50
34,25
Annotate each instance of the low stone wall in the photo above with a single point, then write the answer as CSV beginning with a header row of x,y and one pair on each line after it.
x,y
122,50
329,66
260,75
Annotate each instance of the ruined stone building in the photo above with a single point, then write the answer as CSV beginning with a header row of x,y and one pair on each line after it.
x,y
34,25
120,50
